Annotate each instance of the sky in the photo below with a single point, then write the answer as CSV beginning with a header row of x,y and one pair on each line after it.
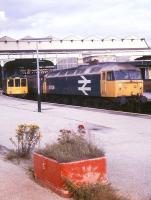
x,y
84,18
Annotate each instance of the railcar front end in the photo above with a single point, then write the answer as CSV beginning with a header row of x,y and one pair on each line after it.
x,y
16,86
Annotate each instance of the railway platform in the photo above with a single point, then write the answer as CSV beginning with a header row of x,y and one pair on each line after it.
x,y
125,138
148,95
16,185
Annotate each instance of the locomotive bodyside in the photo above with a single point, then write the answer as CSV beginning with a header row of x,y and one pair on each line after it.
x,y
110,80
88,85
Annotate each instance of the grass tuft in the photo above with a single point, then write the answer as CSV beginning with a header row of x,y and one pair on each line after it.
x,y
11,155
93,192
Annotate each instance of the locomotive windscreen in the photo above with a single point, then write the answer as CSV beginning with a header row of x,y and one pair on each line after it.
x,y
127,75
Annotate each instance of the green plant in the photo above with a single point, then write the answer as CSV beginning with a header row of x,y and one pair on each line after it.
x,y
71,146
28,136
93,192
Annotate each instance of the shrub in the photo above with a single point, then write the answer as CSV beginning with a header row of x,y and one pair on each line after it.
x,y
28,136
93,192
71,146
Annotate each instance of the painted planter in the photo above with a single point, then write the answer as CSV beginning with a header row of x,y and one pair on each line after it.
x,y
52,173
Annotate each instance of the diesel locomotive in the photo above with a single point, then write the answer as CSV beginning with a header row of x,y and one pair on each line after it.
x,y
117,82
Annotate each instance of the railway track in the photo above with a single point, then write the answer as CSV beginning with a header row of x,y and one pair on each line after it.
x,y
132,107
106,105
110,111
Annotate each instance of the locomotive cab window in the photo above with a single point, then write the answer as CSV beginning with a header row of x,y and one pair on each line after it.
x,y
128,75
23,82
10,82
110,76
17,82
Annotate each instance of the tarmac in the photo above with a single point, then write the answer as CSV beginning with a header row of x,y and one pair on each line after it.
x,y
125,137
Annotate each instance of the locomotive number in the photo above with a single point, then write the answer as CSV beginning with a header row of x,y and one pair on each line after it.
x,y
51,87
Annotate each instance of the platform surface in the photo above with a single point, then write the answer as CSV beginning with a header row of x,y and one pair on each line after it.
x,y
15,184
148,95
125,138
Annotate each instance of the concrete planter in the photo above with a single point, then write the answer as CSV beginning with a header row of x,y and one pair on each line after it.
x,y
52,173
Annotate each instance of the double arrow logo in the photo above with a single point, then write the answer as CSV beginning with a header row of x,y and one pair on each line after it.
x,y
83,88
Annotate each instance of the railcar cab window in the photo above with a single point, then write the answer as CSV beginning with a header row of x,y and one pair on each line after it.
x,y
23,82
10,82
110,76
17,82
127,75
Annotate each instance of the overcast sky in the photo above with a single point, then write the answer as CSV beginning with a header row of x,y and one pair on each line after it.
x,y
41,18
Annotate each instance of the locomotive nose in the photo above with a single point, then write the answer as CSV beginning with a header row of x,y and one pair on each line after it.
x,y
130,88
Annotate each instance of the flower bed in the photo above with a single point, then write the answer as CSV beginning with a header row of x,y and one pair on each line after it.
x,y
71,158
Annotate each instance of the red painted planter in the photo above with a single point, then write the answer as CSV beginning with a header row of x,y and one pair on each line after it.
x,y
52,173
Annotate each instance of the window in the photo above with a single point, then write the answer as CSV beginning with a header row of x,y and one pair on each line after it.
x,y
103,76
17,82
54,73
23,82
110,76
128,75
71,71
135,75
10,82
62,73
80,70
95,69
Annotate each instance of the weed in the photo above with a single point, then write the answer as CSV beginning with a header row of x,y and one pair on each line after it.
x,y
28,136
12,154
93,192
71,146
30,172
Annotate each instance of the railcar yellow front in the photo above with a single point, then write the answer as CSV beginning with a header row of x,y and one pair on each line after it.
x,y
17,86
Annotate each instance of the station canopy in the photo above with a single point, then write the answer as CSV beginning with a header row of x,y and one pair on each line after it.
x,y
26,67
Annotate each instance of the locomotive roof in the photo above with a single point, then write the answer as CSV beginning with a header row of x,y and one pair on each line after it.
x,y
92,69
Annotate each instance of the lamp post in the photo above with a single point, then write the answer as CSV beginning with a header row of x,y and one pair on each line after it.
x,y
2,72
38,80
